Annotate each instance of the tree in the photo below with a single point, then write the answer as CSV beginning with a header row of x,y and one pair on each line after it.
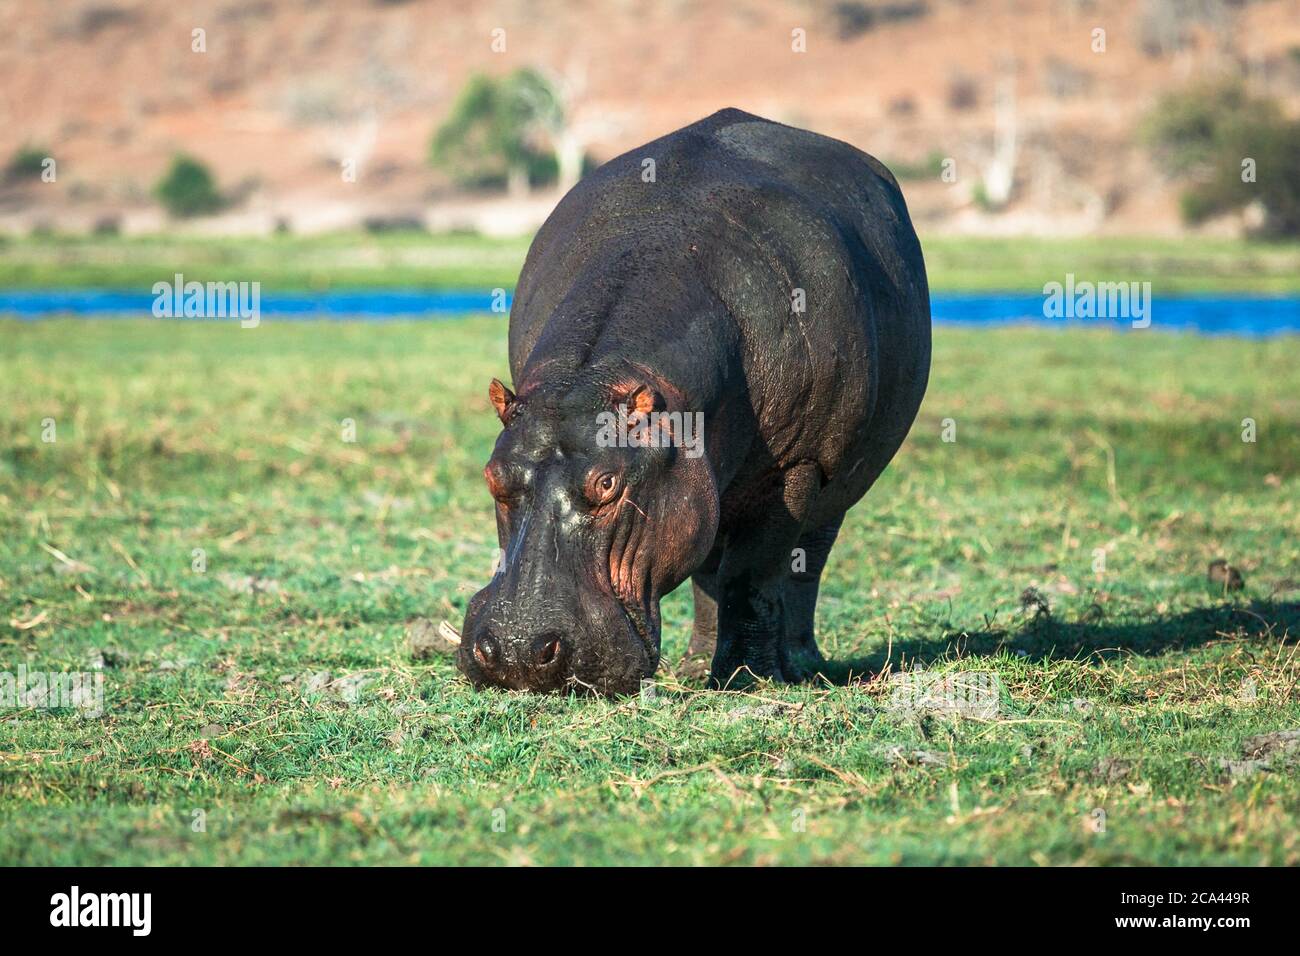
x,y
498,132
188,189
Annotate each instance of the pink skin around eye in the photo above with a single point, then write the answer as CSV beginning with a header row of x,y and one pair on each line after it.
x,y
495,482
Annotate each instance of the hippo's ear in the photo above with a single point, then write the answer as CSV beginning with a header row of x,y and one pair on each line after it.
x,y
637,397
503,400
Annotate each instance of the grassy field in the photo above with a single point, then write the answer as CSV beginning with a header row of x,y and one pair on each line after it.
x,y
266,708
412,259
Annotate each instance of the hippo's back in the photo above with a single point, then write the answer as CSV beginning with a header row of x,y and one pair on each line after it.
x,y
804,241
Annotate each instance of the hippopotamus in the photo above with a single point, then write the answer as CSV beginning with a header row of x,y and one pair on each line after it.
x,y
717,343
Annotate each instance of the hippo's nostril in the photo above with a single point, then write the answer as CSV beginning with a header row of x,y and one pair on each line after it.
x,y
546,649
486,650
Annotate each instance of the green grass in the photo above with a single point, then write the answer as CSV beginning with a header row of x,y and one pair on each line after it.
x,y
177,436
401,260
1181,265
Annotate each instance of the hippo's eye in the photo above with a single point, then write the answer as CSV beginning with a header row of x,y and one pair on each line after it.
x,y
602,486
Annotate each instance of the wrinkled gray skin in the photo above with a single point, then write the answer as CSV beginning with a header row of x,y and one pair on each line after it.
x,y
684,294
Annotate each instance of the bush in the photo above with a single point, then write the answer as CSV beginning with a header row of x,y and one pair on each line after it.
x,y
1204,136
27,162
1274,148
1189,128
188,189
853,18
963,94
929,168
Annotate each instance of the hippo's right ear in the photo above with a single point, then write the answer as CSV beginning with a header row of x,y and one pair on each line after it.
x,y
503,400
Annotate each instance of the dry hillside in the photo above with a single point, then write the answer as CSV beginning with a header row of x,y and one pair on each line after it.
x,y
1011,91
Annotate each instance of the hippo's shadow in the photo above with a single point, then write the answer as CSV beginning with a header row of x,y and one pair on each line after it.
x,y
1048,639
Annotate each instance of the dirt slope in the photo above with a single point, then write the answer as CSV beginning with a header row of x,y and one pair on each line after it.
x,y
283,91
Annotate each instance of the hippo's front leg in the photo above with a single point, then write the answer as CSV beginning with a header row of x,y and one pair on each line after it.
x,y
751,626
751,581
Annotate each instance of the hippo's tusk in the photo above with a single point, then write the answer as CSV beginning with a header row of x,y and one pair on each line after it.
x,y
448,631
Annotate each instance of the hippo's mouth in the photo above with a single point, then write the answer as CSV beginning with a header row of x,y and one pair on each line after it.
x,y
641,624
623,672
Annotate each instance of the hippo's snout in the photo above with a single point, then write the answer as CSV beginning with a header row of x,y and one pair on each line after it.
x,y
549,649
505,647
531,662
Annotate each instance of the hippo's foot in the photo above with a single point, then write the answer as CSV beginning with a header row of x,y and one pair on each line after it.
x,y
784,661
742,663
742,677
801,662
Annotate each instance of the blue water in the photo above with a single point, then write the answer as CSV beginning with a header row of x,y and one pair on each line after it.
x,y
1249,315
1208,314
378,304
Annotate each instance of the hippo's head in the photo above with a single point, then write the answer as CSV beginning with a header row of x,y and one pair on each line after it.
x,y
599,514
